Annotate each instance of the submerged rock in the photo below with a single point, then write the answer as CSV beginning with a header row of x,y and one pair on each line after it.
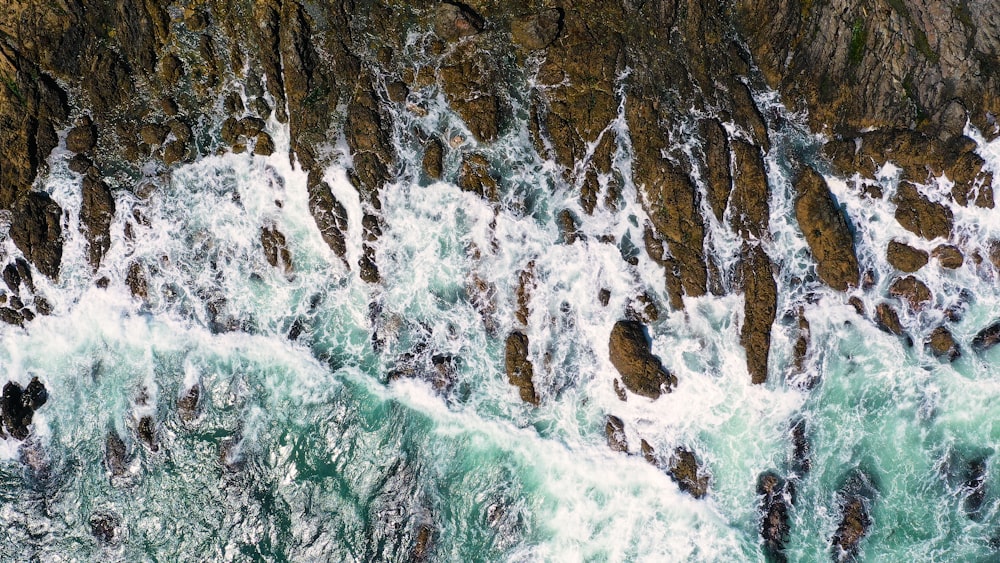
x,y
905,258
188,403
942,344
614,430
147,433
641,371
912,291
520,372
115,454
686,471
853,528
826,231
975,487
987,338
105,527
276,248
775,498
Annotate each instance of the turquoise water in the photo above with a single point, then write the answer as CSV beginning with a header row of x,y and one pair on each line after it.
x,y
305,449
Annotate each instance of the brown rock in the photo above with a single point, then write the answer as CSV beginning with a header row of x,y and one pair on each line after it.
x,y
471,78
568,226
81,138
434,159
36,229
153,134
686,471
519,370
911,290
717,163
905,258
614,429
887,319
761,306
136,280
943,345
275,248
949,256
475,177
173,152
823,224
455,21
750,193
264,145
921,216
537,31
329,215
96,213
853,527
775,500
641,371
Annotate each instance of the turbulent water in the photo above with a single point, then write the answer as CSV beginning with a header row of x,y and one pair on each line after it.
x,y
305,449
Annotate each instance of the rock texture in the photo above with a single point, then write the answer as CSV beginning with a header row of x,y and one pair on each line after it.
x,y
640,370
520,372
826,231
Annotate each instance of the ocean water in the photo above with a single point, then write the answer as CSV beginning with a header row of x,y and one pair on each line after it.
x,y
306,449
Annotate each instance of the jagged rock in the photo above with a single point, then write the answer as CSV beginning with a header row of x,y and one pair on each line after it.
x,y
36,229
911,290
455,21
397,91
568,226
153,134
275,248
482,295
188,403
136,280
887,319
949,256
174,152
604,297
115,454
685,470
470,79
943,345
830,240
717,163
525,285
620,391
520,372
81,138
433,159
800,447
853,527
11,316
329,215
641,371
16,411
35,394
474,176
537,31
775,496
987,338
96,214
105,527
750,193
905,258
614,430
147,432
761,306
921,216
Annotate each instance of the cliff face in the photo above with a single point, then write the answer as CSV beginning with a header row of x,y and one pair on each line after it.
x,y
141,84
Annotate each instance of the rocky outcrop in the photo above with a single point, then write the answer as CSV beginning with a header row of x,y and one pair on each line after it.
x,y
761,306
641,371
614,430
96,213
852,529
905,258
887,319
912,291
36,229
520,372
987,338
685,470
942,344
276,248
826,231
949,256
18,405
775,499
921,216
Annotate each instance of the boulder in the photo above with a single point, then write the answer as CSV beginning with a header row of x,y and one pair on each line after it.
x,y
614,430
826,231
987,338
685,470
433,159
519,369
911,290
81,138
276,248
905,258
942,344
115,454
641,371
16,411
97,211
36,229
775,498
949,256
921,216
887,319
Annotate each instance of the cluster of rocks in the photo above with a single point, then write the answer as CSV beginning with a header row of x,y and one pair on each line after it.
x,y
18,405
682,466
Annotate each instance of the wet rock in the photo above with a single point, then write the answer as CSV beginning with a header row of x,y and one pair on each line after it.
x,y
641,371
12,278
975,487
761,306
537,31
11,316
115,454
423,545
887,319
751,193
905,258
96,214
453,21
188,403
525,285
921,216
685,470
604,297
472,80
775,496
987,338
174,152
276,248
943,345
15,411
36,229
482,295
397,91
81,138
823,224
949,256
568,226
330,216
474,176
433,159
264,145
519,369
147,432
35,394
136,280
614,430
852,529
620,391
800,447
717,164
105,527
153,134
911,290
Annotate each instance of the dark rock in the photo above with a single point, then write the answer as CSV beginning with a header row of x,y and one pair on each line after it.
x,y
11,316
433,159
975,487
921,216
453,21
42,306
750,194
949,256
12,278
96,214
537,31
188,403
853,527
905,258
80,164
519,369
823,224
604,297
987,338
887,319
717,163
614,430
525,285
685,470
568,226
105,527
330,217
775,496
911,290
761,306
800,447
81,138
35,394
15,410
943,345
620,391
115,454
153,134
147,432
276,248
174,152
641,371
474,176
36,229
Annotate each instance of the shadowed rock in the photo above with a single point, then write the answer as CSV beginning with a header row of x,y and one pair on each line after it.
x,y
775,499
921,216
37,231
614,430
987,338
519,369
641,371
943,345
114,454
823,224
